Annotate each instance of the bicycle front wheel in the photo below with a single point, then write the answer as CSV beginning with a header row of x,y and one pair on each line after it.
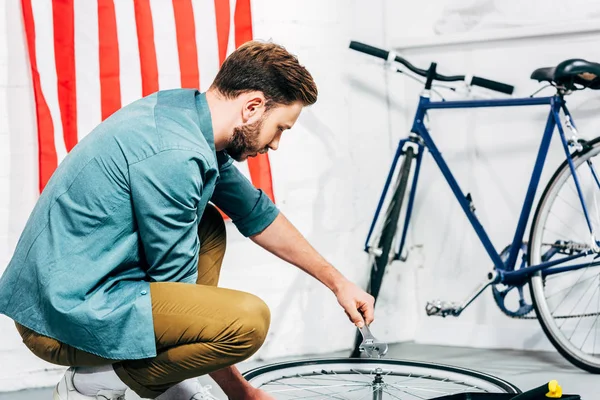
x,y
355,378
384,253
567,300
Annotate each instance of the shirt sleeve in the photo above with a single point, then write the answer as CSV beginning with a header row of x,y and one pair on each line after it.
x,y
166,189
249,208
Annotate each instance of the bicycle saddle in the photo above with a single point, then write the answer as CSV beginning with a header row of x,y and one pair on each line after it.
x,y
570,73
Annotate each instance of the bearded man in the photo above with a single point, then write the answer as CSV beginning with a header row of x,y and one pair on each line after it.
x,y
115,274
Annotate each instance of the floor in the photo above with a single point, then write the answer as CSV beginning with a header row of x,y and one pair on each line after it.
x,y
524,369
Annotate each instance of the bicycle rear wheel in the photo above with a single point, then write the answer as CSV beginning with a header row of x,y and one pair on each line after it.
x,y
384,253
567,303
355,378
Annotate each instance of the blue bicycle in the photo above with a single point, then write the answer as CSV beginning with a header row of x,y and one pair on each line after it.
x,y
560,260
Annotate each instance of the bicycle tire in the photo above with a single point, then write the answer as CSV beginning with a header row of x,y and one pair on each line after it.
x,y
536,284
262,376
388,232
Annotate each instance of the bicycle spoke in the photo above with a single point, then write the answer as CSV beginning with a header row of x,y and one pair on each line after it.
x,y
577,301
393,395
324,387
565,224
570,290
311,390
581,318
574,208
570,287
417,388
590,331
410,394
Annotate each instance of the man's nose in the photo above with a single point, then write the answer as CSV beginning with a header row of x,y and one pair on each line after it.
x,y
274,144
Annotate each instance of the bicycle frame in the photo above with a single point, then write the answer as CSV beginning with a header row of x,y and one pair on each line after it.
x,y
506,270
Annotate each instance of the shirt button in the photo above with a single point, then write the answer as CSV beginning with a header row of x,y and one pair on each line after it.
x,y
143,292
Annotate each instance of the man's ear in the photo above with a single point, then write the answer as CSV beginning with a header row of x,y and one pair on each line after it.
x,y
254,106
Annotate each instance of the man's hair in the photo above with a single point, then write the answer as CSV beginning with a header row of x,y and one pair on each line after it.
x,y
268,68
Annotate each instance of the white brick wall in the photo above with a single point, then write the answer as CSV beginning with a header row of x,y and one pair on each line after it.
x,y
328,174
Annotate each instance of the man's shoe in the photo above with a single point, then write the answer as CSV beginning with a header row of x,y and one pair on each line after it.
x,y
65,390
203,393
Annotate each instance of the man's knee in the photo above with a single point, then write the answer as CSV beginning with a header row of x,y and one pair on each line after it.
x,y
254,322
43,347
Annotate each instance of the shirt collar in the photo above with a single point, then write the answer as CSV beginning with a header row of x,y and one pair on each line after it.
x,y
205,119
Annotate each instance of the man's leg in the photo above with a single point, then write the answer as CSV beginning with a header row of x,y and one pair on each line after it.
x,y
187,326
199,329
103,380
203,328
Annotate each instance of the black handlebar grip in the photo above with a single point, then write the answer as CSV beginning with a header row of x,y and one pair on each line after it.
x,y
370,50
492,85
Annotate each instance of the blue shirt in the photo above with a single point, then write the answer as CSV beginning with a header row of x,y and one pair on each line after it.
x,y
121,211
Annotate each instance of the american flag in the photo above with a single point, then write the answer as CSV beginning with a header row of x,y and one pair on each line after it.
x,y
91,57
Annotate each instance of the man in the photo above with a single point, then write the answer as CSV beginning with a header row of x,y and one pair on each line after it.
x,y
115,273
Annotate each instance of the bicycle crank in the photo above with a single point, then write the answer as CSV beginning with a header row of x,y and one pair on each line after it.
x,y
445,308
510,298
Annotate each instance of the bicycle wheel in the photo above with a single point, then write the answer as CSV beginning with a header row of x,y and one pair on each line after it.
x,y
355,378
384,250
567,304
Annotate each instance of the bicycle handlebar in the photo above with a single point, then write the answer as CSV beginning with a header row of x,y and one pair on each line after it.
x,y
475,80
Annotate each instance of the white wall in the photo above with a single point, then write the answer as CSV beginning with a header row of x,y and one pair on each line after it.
x,y
329,171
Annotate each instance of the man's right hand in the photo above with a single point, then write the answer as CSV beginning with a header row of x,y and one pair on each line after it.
x,y
358,304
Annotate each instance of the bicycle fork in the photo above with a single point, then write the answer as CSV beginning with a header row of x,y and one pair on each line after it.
x,y
396,251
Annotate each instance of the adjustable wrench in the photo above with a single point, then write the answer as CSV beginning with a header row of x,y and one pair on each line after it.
x,y
371,346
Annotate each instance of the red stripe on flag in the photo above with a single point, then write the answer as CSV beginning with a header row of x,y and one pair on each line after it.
x,y
63,16
243,22
145,34
110,79
186,44
259,166
260,172
222,16
48,160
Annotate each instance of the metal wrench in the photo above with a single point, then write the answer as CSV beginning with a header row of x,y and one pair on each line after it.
x,y
370,345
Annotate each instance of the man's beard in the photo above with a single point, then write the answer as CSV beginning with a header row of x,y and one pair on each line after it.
x,y
244,141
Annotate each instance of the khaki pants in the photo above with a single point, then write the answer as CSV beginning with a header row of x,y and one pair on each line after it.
x,y
198,328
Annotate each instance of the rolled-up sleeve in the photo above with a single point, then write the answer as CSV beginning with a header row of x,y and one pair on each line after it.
x,y
165,191
249,208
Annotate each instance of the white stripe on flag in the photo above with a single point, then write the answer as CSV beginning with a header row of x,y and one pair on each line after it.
x,y
206,41
87,67
242,166
129,54
165,41
44,50
231,43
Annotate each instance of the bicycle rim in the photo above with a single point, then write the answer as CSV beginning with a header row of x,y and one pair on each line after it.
x,y
349,379
568,304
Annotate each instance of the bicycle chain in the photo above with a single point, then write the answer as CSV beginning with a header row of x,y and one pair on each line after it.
x,y
555,317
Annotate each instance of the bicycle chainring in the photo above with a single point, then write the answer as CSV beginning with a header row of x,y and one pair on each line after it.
x,y
510,298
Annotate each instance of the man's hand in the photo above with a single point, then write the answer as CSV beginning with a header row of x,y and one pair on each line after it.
x,y
357,303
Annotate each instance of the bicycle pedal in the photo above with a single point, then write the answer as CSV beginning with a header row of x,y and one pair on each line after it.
x,y
442,308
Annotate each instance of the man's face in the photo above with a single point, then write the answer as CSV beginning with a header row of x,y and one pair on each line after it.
x,y
263,133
